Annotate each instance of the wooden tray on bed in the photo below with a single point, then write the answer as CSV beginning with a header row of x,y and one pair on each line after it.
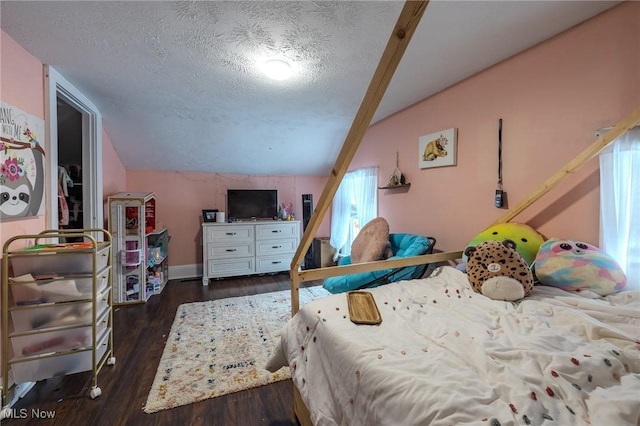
x,y
363,308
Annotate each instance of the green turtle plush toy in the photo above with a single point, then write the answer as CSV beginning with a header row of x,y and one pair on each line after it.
x,y
527,239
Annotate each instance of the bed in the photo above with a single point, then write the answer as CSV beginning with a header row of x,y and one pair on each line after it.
x,y
444,354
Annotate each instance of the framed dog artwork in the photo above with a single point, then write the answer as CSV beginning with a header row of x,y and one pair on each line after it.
x,y
438,149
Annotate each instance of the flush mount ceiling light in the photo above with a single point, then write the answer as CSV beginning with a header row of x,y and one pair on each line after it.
x,y
277,69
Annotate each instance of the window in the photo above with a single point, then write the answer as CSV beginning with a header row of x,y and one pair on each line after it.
x,y
355,204
620,203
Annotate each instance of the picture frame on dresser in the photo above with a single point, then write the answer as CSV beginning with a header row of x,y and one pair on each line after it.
x,y
209,215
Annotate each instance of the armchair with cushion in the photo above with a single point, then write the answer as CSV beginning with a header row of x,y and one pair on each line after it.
x,y
402,245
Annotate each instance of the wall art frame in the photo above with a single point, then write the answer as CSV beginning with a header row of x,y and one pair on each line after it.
x,y
438,149
22,164
209,215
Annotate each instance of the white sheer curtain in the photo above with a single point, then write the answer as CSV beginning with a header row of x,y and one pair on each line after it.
x,y
620,203
355,203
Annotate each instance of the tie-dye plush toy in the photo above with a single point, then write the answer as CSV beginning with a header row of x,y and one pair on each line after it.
x,y
575,265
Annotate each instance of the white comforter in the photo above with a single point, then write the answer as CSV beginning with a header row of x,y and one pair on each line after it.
x,y
445,355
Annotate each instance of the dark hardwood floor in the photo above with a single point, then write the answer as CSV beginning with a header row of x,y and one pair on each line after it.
x,y
140,333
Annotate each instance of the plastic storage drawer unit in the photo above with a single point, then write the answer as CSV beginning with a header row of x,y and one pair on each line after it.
x,y
75,261
54,341
56,290
31,318
40,369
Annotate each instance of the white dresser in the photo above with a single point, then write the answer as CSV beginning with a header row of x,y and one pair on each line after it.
x,y
245,248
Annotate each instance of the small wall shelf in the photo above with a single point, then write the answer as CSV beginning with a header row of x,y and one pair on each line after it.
x,y
404,185
397,178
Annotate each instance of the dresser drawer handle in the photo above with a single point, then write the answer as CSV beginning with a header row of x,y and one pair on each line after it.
x,y
275,231
230,233
231,250
276,246
275,262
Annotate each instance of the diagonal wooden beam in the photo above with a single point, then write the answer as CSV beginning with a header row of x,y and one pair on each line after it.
x,y
404,29
594,149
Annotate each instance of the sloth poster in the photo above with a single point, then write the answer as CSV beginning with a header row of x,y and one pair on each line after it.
x,y
21,164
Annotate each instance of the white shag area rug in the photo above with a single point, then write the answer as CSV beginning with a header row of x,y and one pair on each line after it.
x,y
222,346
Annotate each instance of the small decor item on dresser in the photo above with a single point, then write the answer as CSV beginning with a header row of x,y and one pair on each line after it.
x,y
209,215
285,211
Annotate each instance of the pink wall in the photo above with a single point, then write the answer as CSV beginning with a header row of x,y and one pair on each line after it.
x,y
21,85
552,99
181,197
114,175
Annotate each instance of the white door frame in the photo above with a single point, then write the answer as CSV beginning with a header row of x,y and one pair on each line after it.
x,y
57,86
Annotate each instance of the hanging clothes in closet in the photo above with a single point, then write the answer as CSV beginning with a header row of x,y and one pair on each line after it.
x,y
63,193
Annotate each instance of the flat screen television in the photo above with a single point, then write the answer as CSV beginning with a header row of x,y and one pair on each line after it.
x,y
252,204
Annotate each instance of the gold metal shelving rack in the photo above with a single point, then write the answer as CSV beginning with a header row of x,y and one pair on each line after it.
x,y
92,256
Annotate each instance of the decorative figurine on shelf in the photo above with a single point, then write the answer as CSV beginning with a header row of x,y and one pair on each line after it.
x,y
397,178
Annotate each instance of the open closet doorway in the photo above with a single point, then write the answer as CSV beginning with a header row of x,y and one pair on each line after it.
x,y
70,199
74,142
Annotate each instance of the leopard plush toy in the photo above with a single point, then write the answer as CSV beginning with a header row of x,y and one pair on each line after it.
x,y
495,269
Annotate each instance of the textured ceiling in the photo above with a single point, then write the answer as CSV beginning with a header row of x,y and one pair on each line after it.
x,y
179,84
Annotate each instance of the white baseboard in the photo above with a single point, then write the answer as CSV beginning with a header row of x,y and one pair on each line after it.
x,y
20,390
182,272
185,271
